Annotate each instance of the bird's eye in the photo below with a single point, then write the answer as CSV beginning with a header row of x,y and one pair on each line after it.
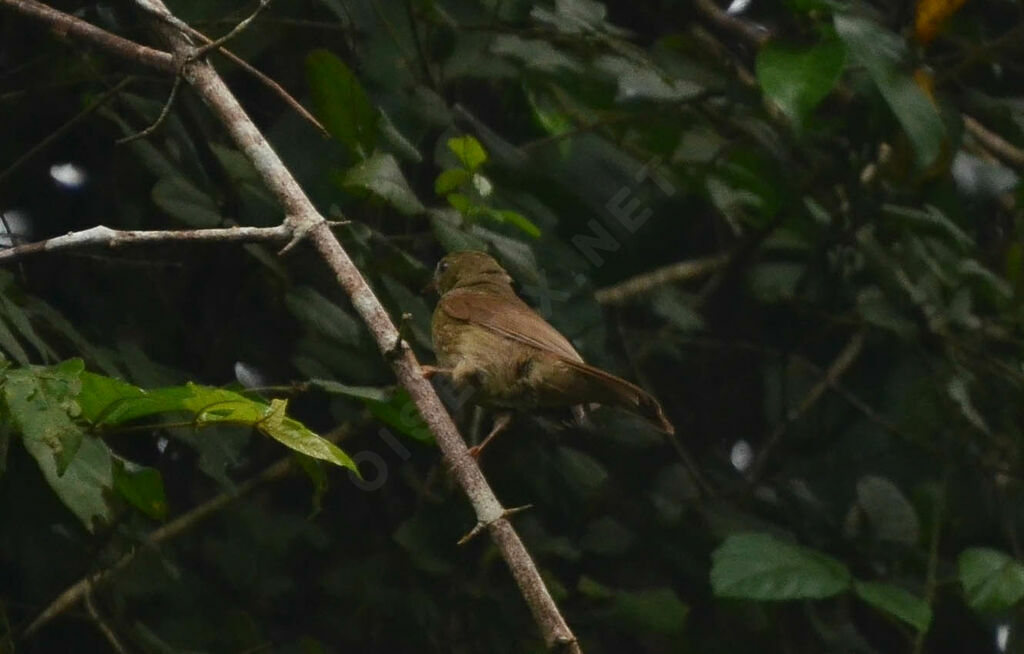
x,y
442,266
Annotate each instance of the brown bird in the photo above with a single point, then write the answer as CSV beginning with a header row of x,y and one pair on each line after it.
x,y
487,338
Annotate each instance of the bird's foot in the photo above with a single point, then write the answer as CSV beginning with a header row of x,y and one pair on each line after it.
x,y
430,371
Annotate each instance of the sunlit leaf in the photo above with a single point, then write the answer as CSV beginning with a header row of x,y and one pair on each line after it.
x,y
469,151
992,580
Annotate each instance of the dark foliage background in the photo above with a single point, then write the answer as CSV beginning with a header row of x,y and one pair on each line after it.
x,y
848,381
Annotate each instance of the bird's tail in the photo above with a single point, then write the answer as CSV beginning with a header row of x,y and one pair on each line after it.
x,y
606,388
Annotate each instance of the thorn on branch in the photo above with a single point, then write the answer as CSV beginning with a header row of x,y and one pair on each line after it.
x,y
480,526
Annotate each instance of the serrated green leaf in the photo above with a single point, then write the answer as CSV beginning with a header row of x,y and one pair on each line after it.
x,y
468,150
760,567
992,580
295,435
341,103
381,176
896,602
798,79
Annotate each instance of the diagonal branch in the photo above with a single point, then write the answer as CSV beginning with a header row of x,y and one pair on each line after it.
x,y
303,219
648,282
66,24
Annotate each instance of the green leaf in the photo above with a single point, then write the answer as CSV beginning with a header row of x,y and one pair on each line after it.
x,y
644,82
9,343
185,202
374,393
451,180
882,54
760,567
109,402
143,488
341,103
650,610
798,79
381,176
468,150
896,602
515,219
891,514
42,408
323,315
992,580
296,436
400,412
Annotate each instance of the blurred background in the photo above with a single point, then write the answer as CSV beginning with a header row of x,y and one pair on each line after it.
x,y
796,223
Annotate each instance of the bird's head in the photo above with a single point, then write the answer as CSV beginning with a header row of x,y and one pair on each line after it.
x,y
469,268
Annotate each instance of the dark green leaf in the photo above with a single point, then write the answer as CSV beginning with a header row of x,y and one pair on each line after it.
x,y
798,79
760,567
882,54
142,487
185,202
381,176
341,102
896,602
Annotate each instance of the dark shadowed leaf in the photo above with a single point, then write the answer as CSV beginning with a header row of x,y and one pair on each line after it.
x,y
341,102
760,567
381,176
896,602
798,79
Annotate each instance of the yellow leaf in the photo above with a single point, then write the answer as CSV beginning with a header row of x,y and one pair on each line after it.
x,y
931,17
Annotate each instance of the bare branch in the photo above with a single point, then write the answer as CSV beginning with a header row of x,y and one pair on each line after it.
x,y
843,361
56,134
752,32
303,218
270,83
66,24
159,119
102,236
81,588
235,31
999,146
645,283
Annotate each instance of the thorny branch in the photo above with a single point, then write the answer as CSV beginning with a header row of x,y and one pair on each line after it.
x,y
304,221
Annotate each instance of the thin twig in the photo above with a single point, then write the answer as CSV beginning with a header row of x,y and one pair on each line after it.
x,y
186,521
645,283
66,24
843,361
102,625
102,236
270,83
305,220
56,134
752,32
999,146
235,31
159,119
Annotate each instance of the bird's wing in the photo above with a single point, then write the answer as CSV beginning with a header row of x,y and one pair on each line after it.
x,y
511,318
